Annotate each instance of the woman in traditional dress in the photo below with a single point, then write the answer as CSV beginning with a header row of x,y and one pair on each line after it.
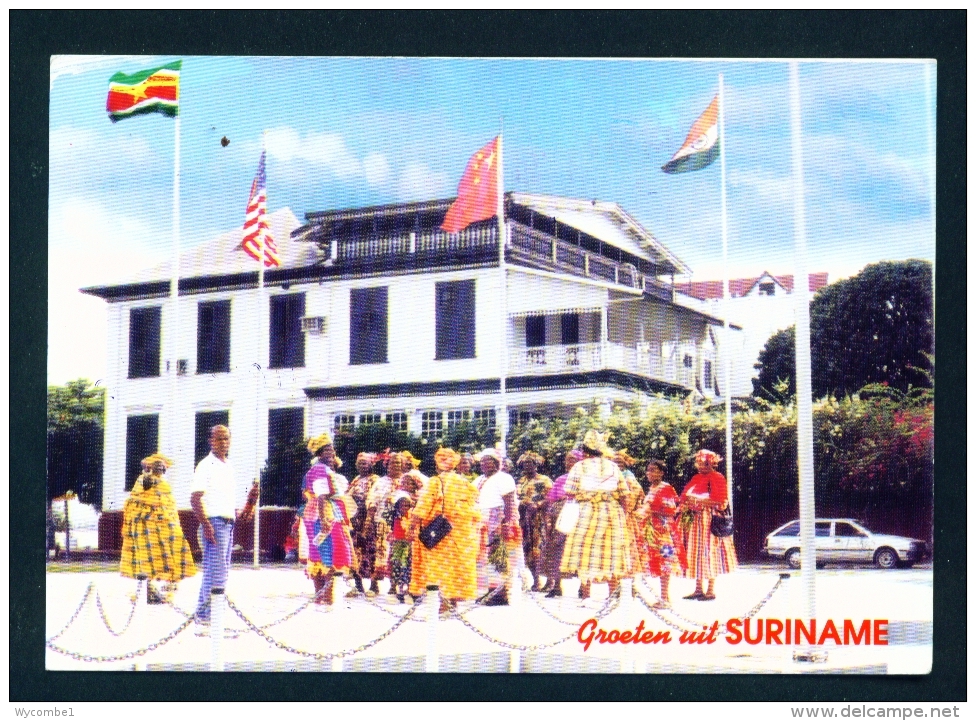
x,y
596,549
362,532
660,524
376,525
466,467
397,512
499,548
707,555
452,563
554,540
411,466
327,520
532,490
153,545
632,504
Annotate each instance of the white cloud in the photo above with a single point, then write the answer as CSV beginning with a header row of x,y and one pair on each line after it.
x,y
62,65
419,182
328,151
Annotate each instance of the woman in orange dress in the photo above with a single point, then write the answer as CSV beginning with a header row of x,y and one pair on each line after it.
x,y
707,555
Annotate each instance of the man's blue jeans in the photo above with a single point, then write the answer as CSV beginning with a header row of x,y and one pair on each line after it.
x,y
216,563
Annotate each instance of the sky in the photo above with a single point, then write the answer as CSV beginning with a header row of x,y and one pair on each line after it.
x,y
349,132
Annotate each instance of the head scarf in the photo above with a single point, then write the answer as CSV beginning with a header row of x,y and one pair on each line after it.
x,y
409,460
596,441
157,458
531,456
317,443
490,453
370,458
448,454
625,458
710,457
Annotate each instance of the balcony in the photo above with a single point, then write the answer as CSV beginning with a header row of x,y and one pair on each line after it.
x,y
643,360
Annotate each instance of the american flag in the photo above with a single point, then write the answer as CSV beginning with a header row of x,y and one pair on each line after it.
x,y
256,224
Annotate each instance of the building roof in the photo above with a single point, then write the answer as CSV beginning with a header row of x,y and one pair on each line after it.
x,y
740,287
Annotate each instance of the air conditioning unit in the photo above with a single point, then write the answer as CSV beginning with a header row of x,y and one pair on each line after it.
x,y
314,325
182,367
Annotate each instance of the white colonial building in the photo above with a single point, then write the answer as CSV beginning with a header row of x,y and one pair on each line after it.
x,y
377,315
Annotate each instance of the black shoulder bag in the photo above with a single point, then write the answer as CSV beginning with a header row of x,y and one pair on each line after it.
x,y
435,531
722,523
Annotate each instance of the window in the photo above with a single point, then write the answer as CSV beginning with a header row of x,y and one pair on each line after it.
x,y
344,422
397,419
767,289
287,349
707,372
141,440
286,427
431,423
847,530
455,320
486,416
688,361
822,528
213,337
368,325
367,418
535,331
516,418
144,337
570,328
203,422
455,418
791,530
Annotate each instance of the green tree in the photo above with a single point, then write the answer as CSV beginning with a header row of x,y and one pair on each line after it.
x,y
75,433
875,327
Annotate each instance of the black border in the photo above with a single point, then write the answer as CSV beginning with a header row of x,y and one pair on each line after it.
x,y
35,35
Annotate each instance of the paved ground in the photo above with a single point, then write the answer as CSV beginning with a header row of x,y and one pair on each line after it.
x,y
266,595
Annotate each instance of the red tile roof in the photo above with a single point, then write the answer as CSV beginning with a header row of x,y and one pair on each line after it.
x,y
739,287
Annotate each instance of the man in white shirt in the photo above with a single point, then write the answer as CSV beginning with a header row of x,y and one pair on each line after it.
x,y
499,510
212,496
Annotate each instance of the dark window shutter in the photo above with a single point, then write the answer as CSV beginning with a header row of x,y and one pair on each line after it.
x,y
141,440
570,328
144,340
455,320
535,331
213,337
286,340
368,325
204,421
286,427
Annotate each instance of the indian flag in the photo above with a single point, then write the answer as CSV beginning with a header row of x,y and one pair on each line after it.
x,y
701,147
148,91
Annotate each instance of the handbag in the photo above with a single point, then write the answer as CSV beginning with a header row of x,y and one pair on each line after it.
x,y
435,531
568,517
722,523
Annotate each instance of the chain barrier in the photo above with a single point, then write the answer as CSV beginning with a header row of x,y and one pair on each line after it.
x,y
125,656
59,634
378,605
604,610
291,615
325,656
132,612
535,647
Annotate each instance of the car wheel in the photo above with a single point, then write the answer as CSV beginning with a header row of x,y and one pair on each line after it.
x,y
886,558
793,558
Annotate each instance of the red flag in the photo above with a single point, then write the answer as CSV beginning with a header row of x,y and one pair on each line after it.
x,y
256,223
477,197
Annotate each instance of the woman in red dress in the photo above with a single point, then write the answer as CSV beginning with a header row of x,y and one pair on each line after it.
x,y
660,537
707,555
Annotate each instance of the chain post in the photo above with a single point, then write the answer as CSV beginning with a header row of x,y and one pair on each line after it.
x,y
216,629
432,663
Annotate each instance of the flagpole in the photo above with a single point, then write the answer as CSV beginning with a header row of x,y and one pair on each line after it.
x,y
726,296
503,421
804,385
262,313
174,345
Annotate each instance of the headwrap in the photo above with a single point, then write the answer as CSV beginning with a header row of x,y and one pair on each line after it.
x,y
409,460
596,441
370,458
627,459
383,457
490,453
317,443
531,456
710,457
157,458
448,454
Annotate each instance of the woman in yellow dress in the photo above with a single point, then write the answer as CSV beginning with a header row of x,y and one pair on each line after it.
x,y
452,563
153,545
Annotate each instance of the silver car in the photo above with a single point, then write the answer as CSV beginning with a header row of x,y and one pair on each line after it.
x,y
844,539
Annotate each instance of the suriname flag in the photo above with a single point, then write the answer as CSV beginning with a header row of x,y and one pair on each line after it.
x,y
148,91
701,147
